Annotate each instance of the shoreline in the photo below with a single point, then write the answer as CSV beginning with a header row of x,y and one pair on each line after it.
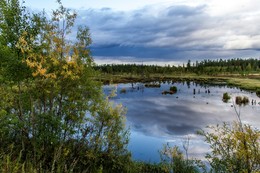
x,y
250,83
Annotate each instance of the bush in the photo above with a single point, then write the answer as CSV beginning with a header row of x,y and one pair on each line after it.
x,y
173,89
234,148
258,92
226,97
54,111
172,160
137,167
242,100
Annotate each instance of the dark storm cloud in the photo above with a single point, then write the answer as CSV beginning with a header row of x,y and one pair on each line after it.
x,y
139,27
170,33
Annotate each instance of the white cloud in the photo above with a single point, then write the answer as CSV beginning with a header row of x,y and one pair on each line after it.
x,y
224,7
169,29
243,42
99,60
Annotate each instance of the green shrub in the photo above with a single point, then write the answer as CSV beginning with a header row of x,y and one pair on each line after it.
x,y
173,89
54,111
234,148
258,92
172,160
226,97
137,167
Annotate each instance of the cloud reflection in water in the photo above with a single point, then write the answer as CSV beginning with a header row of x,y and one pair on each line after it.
x,y
171,118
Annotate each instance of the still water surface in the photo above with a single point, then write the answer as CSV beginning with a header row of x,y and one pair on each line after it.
x,y
155,119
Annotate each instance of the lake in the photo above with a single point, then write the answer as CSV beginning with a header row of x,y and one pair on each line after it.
x,y
156,119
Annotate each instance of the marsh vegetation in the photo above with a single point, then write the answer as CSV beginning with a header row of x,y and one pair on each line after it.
x,y
54,116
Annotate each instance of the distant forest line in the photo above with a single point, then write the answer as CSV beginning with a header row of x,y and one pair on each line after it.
x,y
205,67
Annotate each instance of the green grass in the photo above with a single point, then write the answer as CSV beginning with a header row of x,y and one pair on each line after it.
x,y
245,83
251,83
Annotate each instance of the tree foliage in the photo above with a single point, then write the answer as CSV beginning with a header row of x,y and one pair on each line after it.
x,y
226,97
52,110
234,148
55,118
208,67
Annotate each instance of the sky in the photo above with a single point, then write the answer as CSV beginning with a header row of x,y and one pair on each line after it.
x,y
166,31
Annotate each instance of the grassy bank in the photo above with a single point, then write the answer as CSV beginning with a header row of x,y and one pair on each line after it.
x,y
245,83
251,83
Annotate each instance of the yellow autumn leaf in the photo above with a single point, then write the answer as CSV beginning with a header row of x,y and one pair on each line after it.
x,y
42,71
